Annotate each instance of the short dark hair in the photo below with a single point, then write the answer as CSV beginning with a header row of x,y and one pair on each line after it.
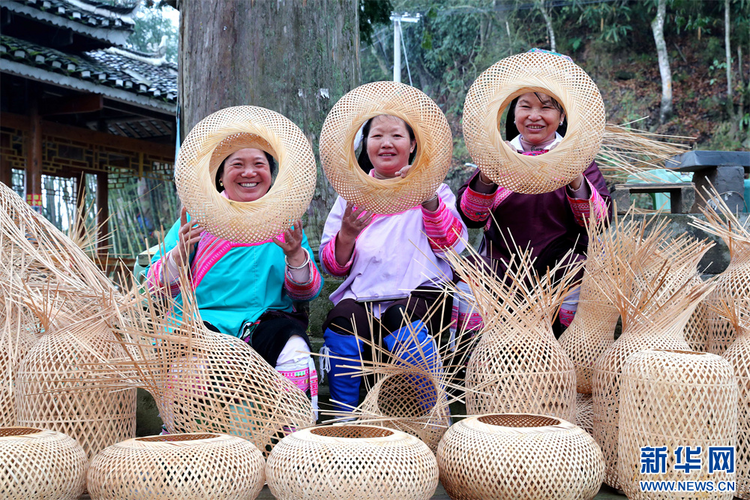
x,y
511,131
364,159
220,171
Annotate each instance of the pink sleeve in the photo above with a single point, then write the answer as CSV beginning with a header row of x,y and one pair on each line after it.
x,y
155,278
328,258
582,207
477,206
441,226
304,291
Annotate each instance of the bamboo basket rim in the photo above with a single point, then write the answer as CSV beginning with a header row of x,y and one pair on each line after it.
x,y
347,433
22,431
548,423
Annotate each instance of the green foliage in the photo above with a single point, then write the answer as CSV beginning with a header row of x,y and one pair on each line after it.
x,y
371,14
152,24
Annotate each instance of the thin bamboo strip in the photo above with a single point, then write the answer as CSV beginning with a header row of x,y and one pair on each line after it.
x,y
40,463
585,412
677,400
519,456
178,466
351,461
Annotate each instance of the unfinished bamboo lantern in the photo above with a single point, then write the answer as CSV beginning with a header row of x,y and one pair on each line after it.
x,y
56,387
431,131
519,456
534,71
178,466
517,315
351,461
675,399
40,463
410,402
224,132
17,337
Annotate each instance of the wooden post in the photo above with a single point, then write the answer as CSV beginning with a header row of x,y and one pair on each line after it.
x,y
102,208
6,174
34,160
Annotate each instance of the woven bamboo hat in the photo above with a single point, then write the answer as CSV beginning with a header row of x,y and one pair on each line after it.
x,y
533,71
431,131
229,130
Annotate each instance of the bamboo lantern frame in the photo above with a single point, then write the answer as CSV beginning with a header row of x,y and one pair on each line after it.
x,y
519,456
224,132
351,461
431,131
40,463
178,466
673,399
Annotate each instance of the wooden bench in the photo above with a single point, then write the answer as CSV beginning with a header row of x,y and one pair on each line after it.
x,y
681,194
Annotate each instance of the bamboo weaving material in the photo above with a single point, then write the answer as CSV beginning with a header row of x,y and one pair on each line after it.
x,y
178,467
585,412
224,132
535,71
40,464
431,131
519,456
675,399
351,461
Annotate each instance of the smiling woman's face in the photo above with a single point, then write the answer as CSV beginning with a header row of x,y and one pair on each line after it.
x,y
389,145
247,175
537,117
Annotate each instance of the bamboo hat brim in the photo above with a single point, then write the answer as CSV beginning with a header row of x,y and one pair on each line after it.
x,y
536,71
431,131
229,130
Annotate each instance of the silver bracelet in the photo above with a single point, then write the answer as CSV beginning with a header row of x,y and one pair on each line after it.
x,y
304,264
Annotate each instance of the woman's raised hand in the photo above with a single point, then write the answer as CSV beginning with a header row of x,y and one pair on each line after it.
x,y
187,237
353,222
404,171
291,244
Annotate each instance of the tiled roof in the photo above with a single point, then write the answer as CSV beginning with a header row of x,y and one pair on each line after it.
x,y
114,68
106,21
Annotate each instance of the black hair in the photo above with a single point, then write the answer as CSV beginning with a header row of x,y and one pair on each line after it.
x,y
220,171
511,131
364,159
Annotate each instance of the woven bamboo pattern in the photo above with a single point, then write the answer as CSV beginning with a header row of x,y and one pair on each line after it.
x,y
656,297
732,284
224,132
696,330
675,399
202,381
18,333
519,456
55,388
431,131
738,356
585,412
178,466
40,463
351,461
517,314
505,80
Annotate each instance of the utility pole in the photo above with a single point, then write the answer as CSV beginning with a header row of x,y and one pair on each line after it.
x,y
397,18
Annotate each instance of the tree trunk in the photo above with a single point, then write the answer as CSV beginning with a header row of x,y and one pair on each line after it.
x,y
657,26
727,29
548,22
296,58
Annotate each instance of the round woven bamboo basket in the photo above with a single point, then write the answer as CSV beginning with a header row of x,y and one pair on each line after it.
x,y
224,132
14,344
351,461
675,399
636,337
519,456
40,463
542,380
431,131
178,466
415,403
54,387
536,71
